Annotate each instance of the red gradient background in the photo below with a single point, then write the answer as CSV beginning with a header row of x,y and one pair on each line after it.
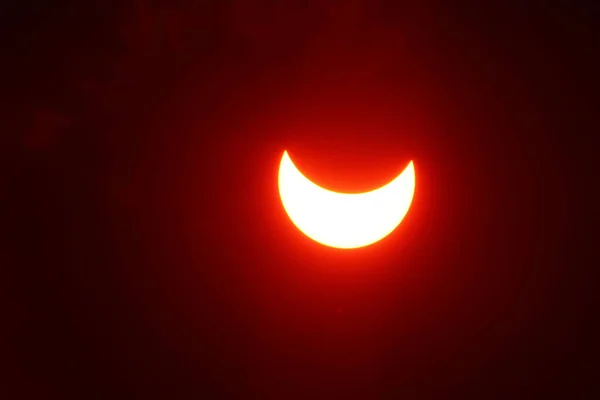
x,y
152,256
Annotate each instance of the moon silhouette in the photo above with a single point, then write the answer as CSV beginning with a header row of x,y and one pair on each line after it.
x,y
344,220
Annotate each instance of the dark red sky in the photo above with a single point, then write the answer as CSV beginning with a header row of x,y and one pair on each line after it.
x,y
148,253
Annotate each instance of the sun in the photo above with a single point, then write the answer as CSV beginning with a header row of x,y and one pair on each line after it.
x,y
344,220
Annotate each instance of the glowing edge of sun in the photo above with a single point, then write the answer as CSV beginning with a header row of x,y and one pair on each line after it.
x,y
344,220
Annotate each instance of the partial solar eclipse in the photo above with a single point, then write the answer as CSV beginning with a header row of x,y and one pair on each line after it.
x,y
344,220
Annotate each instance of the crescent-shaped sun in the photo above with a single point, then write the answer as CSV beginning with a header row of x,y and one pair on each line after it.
x,y
344,220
